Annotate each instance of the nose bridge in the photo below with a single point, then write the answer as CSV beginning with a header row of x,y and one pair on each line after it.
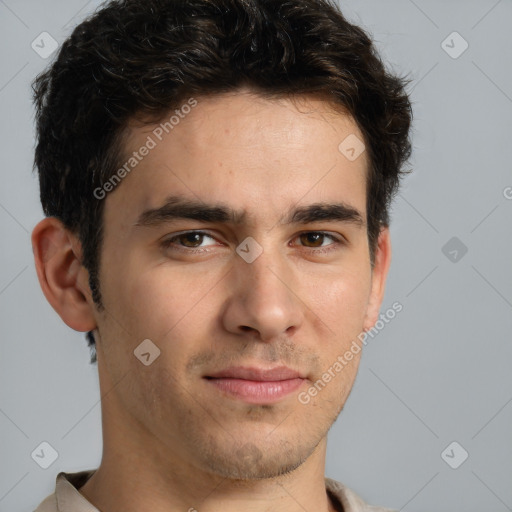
x,y
264,275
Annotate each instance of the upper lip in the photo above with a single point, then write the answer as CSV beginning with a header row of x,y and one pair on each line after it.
x,y
258,374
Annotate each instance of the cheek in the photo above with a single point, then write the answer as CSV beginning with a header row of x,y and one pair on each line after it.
x,y
341,301
163,302
134,287
341,304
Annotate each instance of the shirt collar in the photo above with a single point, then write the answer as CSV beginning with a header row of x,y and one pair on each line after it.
x,y
66,492
69,499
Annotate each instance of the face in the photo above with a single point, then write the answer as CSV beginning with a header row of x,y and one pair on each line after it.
x,y
236,285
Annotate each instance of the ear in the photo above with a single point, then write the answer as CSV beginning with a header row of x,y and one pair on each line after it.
x,y
63,279
379,275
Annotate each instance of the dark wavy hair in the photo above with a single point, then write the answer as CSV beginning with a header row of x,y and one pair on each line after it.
x,y
139,59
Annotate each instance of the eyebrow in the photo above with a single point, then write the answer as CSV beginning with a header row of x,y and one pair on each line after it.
x,y
179,207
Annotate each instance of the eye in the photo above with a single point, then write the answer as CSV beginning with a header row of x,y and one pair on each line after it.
x,y
189,239
318,237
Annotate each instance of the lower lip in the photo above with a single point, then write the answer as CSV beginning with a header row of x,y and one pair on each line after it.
x,y
257,392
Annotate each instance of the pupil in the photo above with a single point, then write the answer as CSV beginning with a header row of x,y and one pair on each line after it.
x,y
314,236
188,237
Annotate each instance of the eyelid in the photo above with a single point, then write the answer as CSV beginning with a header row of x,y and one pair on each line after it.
x,y
337,239
166,241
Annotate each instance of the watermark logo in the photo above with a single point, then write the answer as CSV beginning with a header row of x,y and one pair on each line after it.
x,y
343,360
152,141
249,249
454,249
44,45
352,147
146,352
454,45
44,455
454,455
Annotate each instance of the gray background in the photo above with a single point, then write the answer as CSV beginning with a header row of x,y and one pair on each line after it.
x,y
438,373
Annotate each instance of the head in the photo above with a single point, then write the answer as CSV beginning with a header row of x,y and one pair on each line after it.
x,y
243,107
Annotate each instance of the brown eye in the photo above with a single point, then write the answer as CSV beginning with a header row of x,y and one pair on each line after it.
x,y
312,238
314,241
189,239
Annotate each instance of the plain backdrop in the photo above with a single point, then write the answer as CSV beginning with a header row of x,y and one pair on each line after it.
x,y
433,387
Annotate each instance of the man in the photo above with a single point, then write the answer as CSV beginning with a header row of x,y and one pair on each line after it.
x,y
216,176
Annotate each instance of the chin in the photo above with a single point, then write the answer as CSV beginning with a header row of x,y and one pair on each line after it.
x,y
254,461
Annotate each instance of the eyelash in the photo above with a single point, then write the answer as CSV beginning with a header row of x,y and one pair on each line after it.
x,y
168,243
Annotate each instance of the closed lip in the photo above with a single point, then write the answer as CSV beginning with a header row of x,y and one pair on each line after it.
x,y
257,374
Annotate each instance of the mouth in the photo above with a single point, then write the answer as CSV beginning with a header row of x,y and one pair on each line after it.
x,y
256,385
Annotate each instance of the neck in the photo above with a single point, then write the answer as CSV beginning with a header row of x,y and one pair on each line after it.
x,y
133,482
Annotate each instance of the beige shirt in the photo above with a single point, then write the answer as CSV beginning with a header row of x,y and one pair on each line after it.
x,y
66,497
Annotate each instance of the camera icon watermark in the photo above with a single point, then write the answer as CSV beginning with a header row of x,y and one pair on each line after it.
x,y
454,45
351,147
249,249
44,45
44,455
249,452
454,455
454,249
146,352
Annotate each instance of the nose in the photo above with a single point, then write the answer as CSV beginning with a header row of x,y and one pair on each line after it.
x,y
263,299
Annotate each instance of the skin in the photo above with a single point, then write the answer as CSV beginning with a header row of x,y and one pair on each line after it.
x,y
173,441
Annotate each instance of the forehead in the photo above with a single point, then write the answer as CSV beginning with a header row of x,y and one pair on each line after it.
x,y
254,153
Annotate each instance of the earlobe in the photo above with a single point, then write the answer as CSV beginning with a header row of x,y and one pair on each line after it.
x,y
379,276
61,275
